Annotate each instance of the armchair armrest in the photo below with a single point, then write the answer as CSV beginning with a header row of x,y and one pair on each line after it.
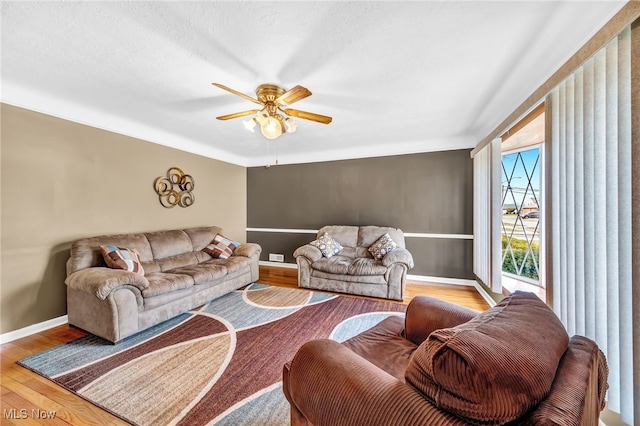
x,y
398,255
102,281
427,314
310,252
329,384
248,250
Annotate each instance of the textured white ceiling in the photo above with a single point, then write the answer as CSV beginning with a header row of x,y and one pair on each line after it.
x,y
397,77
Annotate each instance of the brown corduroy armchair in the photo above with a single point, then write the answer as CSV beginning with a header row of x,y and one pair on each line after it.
x,y
447,365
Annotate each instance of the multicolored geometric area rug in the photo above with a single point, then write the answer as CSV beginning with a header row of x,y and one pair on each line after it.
x,y
219,364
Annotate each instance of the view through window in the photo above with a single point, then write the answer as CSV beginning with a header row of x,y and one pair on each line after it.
x,y
521,199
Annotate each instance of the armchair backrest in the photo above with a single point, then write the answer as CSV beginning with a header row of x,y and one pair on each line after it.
x,y
582,374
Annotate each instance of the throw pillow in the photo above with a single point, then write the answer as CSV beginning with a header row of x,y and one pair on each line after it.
x,y
221,247
494,368
122,258
327,245
382,246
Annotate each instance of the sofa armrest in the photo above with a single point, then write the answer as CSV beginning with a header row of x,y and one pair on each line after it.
x,y
310,252
398,255
328,384
248,250
427,314
102,281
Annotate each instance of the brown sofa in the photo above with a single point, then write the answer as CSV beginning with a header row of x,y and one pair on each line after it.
x,y
354,270
448,365
178,276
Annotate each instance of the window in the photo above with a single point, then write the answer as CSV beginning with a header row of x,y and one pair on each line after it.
x,y
522,199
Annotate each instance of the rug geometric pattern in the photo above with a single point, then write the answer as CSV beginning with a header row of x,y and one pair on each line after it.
x,y
219,364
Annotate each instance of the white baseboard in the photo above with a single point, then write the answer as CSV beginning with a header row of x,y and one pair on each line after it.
x,y
441,280
32,329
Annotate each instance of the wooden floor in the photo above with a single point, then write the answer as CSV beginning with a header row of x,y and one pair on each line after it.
x,y
28,399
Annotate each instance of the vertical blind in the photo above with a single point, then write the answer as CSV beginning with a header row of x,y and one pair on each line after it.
x,y
590,211
487,207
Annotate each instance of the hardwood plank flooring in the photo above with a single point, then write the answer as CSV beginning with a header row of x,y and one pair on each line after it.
x,y
21,389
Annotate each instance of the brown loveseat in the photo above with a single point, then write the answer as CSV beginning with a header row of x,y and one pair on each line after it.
x,y
353,270
178,276
448,365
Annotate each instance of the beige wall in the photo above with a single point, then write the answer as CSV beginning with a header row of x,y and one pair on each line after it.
x,y
62,181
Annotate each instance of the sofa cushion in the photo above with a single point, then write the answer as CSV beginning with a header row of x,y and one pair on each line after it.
x,y
221,247
85,253
367,235
169,243
343,265
365,266
204,272
165,282
201,237
495,367
179,261
382,246
333,265
347,236
122,258
327,245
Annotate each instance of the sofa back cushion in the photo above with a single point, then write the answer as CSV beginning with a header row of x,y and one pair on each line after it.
x,y
495,367
368,235
85,253
159,251
172,249
347,236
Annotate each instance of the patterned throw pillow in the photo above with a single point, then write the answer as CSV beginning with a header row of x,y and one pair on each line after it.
x,y
382,246
122,258
221,247
327,245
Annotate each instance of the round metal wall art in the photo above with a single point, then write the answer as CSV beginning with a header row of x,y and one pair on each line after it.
x,y
175,189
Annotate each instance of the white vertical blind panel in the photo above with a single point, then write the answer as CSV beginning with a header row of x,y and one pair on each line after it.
x,y
591,211
482,215
625,286
496,215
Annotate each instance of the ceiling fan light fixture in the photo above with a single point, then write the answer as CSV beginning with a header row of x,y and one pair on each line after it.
x,y
272,128
250,124
291,125
261,117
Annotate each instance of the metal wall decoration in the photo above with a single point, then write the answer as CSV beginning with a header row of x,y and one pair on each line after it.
x,y
175,189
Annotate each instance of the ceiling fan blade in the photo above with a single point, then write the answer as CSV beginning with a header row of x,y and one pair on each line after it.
x,y
235,92
308,115
237,114
293,95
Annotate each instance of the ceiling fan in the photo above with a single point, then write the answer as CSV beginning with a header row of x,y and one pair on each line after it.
x,y
274,100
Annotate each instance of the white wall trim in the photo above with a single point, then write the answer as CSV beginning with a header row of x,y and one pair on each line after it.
x,y
441,280
406,234
284,231
32,329
428,235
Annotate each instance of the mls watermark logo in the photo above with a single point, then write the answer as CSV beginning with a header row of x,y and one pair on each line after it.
x,y
21,414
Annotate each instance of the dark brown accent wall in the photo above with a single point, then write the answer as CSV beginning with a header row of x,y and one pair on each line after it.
x,y
419,193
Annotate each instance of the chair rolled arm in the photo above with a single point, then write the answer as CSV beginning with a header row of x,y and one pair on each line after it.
x,y
398,255
102,281
331,385
248,250
310,252
426,314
